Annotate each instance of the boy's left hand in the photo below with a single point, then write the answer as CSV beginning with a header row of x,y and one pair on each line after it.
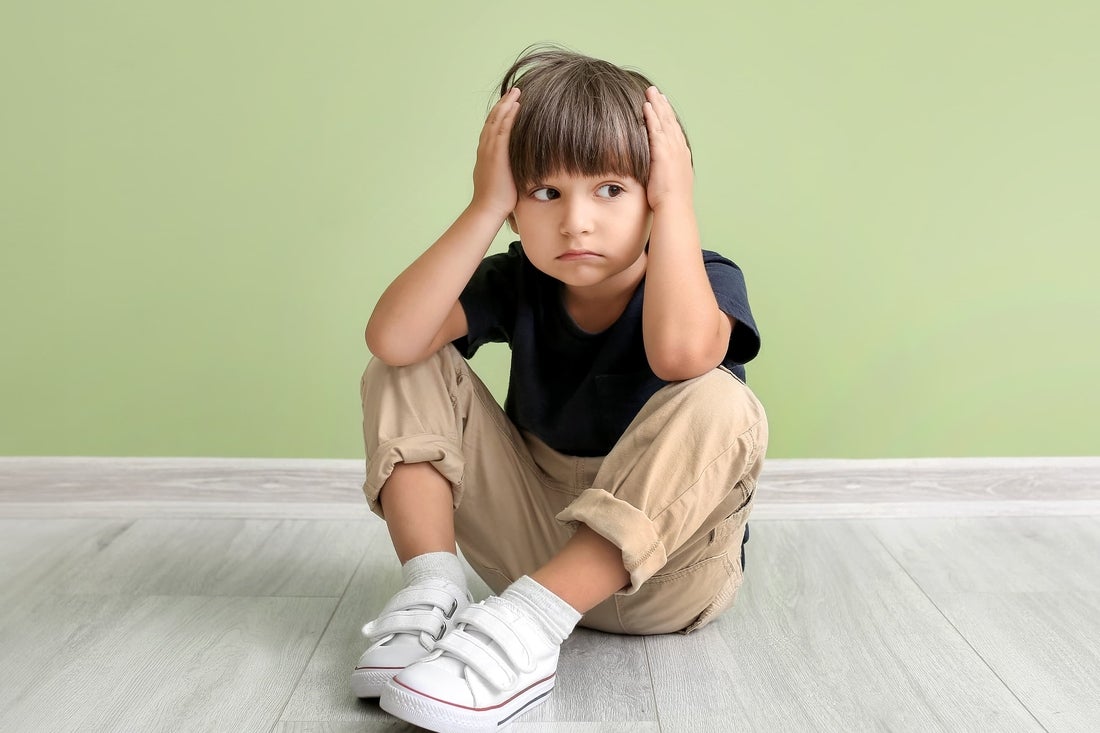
x,y
670,174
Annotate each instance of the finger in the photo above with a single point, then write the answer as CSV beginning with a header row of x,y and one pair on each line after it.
x,y
511,104
508,118
503,104
662,109
669,122
652,120
660,103
491,128
668,115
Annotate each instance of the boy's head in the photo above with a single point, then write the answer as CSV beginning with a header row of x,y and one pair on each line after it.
x,y
578,115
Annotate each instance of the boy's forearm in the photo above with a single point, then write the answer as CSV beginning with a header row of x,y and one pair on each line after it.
x,y
682,325
414,306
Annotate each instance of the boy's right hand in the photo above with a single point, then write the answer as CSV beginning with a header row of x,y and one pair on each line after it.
x,y
494,189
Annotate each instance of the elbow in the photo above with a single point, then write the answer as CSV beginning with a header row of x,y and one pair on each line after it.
x,y
680,355
678,373
682,364
390,358
387,351
374,343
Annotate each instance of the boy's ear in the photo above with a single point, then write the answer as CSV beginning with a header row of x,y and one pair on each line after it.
x,y
512,223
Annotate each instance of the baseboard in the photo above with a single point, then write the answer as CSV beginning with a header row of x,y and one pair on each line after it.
x,y
803,489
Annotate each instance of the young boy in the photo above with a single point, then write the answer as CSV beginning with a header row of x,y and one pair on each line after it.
x,y
614,488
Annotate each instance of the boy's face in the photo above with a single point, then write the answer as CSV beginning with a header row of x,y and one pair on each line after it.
x,y
583,230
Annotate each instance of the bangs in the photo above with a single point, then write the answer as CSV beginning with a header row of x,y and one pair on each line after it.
x,y
578,116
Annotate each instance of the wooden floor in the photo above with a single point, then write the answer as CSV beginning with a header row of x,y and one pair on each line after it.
x,y
227,595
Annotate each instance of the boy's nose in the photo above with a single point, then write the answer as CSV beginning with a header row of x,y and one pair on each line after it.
x,y
577,219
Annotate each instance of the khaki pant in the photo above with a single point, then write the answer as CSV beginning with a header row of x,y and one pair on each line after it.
x,y
674,493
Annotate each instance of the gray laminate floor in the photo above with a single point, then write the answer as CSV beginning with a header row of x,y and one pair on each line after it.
x,y
148,596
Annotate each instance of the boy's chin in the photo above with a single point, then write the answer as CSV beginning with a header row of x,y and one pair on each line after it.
x,y
582,280
572,280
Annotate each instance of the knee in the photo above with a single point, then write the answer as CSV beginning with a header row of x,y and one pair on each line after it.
x,y
380,376
376,370
741,415
715,415
720,401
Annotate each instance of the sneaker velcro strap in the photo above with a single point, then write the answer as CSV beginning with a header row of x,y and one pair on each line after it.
x,y
498,621
418,608
479,657
424,595
409,621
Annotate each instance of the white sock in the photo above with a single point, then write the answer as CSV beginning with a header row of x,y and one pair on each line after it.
x,y
433,565
554,615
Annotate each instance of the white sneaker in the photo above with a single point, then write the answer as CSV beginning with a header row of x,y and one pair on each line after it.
x,y
405,631
494,665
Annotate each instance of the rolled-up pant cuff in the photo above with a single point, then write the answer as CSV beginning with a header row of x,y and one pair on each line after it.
x,y
441,452
626,527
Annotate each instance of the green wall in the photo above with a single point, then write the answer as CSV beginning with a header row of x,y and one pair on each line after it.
x,y
203,200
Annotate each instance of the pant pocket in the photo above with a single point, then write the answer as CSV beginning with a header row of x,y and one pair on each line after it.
x,y
727,538
672,601
725,596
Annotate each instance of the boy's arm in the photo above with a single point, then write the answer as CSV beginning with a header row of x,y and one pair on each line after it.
x,y
419,312
685,332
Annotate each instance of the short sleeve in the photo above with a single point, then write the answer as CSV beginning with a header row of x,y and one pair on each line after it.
x,y
730,291
489,301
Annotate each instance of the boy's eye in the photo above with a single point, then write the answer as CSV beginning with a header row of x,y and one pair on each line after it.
x,y
545,194
609,190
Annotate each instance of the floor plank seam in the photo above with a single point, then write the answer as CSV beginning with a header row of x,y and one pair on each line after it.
x,y
955,628
652,685
316,646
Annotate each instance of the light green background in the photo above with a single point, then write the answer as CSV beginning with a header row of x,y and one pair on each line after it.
x,y
203,200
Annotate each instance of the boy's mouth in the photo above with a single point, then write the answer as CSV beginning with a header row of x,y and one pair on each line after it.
x,y
577,254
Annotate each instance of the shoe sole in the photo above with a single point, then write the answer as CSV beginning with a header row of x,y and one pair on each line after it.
x,y
443,717
370,681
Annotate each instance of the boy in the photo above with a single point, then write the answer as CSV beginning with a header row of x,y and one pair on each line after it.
x,y
615,487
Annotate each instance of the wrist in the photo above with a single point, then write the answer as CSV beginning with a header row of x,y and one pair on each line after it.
x,y
487,212
483,208
673,205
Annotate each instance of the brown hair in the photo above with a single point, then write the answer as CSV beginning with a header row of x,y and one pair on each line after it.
x,y
577,115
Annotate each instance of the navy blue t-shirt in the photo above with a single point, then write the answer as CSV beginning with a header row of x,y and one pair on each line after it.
x,y
578,391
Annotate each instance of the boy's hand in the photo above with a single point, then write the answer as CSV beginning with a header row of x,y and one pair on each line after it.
x,y
494,189
670,174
